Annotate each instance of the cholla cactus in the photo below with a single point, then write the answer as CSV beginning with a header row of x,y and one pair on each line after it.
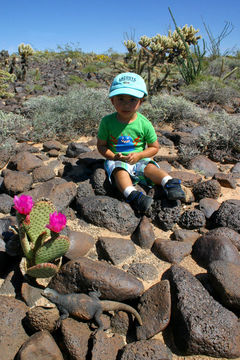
x,y
130,45
157,51
68,61
144,41
25,51
39,227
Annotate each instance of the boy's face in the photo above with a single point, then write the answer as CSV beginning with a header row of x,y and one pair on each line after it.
x,y
126,106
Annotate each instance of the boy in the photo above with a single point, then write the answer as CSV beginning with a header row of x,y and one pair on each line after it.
x,y
128,142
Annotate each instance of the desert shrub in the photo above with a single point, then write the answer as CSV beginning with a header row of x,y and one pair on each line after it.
x,y
220,139
235,84
209,91
223,65
92,84
188,152
67,116
223,133
13,128
5,80
170,108
74,79
91,68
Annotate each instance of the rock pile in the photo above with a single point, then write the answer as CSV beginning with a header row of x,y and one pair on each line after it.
x,y
196,315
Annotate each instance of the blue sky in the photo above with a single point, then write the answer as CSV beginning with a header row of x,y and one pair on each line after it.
x,y
97,25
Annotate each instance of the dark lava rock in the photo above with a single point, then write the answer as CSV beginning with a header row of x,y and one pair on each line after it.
x,y
186,235
200,324
143,271
6,203
12,333
105,347
207,189
101,184
82,274
231,234
168,215
155,310
16,182
152,349
42,345
208,206
172,251
204,165
225,278
107,212
144,235
192,219
115,250
75,337
40,318
211,247
74,149
85,189
228,215
226,180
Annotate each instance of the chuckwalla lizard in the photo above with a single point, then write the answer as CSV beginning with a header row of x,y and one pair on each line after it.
x,y
86,307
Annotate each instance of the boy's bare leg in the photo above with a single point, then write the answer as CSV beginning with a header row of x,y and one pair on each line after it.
x,y
122,179
155,174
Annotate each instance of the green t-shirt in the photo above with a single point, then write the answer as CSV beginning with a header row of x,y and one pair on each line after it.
x,y
126,138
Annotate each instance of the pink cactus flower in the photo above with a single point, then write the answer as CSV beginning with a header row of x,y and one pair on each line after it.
x,y
57,221
23,204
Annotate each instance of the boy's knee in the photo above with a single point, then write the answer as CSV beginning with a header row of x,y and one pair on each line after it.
x,y
119,171
149,168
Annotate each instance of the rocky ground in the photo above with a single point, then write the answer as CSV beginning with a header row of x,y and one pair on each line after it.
x,y
139,260
101,230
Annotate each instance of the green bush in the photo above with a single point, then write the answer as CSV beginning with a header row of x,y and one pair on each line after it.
x,y
67,116
170,108
210,91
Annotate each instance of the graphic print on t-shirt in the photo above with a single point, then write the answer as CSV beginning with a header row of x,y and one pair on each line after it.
x,y
124,143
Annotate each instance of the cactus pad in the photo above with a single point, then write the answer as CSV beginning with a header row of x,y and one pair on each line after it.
x,y
42,270
52,249
25,244
39,217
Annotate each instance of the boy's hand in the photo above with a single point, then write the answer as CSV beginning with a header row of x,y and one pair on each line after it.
x,y
131,158
119,156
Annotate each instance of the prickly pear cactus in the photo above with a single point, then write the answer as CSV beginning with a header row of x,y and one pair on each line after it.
x,y
41,241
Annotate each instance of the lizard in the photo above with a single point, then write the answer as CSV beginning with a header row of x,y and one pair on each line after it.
x,y
85,307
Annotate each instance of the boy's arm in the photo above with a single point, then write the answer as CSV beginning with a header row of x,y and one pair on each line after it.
x,y
107,153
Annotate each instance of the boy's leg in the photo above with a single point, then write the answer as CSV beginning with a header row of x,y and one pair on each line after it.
x,y
122,179
136,199
170,185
